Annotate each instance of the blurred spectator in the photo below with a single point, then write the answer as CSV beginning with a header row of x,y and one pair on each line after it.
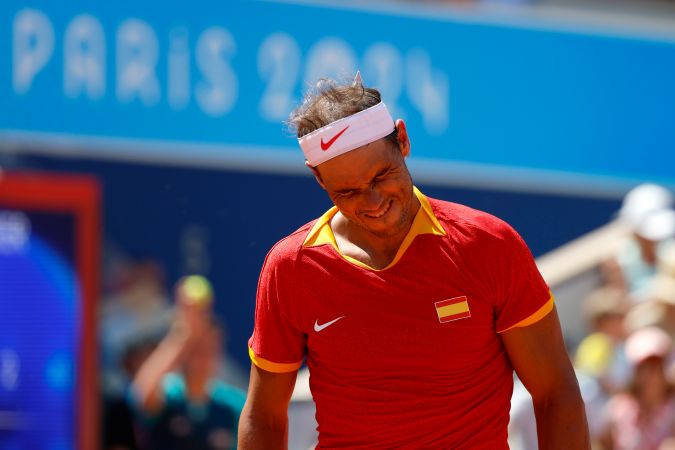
x,y
647,210
118,431
658,309
135,307
643,418
134,315
667,262
646,314
600,358
601,354
663,292
179,402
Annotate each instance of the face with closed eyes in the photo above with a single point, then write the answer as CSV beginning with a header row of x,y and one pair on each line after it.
x,y
371,186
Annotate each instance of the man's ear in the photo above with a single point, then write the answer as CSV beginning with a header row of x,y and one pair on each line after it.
x,y
317,175
402,137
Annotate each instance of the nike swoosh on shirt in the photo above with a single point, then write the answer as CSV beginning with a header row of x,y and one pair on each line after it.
x,y
326,145
318,327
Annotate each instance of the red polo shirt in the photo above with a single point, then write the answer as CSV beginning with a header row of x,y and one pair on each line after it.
x,y
408,356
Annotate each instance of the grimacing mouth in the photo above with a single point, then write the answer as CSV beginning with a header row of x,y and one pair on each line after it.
x,y
379,214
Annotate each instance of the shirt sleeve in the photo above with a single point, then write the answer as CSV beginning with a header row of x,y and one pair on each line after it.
x,y
522,295
277,343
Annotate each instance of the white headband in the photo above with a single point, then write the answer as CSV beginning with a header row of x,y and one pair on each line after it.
x,y
347,134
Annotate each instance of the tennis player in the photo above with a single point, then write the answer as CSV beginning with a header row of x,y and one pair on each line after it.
x,y
411,313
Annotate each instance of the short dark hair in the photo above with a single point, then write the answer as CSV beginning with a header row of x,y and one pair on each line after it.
x,y
330,101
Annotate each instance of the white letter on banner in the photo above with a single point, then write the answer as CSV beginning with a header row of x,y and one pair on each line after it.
x,y
429,91
383,67
218,92
137,55
279,64
179,69
332,58
33,45
84,58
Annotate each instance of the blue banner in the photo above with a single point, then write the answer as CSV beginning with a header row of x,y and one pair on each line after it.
x,y
214,81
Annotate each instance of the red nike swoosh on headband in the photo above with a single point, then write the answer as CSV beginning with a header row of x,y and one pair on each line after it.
x,y
326,145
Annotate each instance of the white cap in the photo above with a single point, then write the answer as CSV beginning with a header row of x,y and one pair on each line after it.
x,y
648,210
647,342
644,199
657,225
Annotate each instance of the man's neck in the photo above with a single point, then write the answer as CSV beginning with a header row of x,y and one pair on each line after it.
x,y
377,251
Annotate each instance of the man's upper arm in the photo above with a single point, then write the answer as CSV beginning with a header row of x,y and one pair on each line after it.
x,y
264,421
270,391
539,357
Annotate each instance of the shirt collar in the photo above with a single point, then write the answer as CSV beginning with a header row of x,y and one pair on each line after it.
x,y
425,222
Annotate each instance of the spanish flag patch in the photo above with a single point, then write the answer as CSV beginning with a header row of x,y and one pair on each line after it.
x,y
452,309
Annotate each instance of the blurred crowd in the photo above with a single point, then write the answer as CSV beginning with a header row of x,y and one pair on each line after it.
x,y
167,383
626,365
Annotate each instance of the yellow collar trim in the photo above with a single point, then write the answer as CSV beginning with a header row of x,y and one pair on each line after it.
x,y
425,222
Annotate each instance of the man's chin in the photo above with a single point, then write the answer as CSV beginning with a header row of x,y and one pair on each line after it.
x,y
384,228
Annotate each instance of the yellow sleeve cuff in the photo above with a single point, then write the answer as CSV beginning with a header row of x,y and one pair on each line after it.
x,y
272,366
536,317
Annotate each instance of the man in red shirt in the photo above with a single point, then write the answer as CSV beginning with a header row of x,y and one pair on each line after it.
x,y
411,312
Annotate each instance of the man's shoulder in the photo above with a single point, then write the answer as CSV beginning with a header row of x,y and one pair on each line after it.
x,y
461,219
288,247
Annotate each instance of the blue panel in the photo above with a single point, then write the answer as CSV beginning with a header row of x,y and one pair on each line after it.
x,y
39,330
